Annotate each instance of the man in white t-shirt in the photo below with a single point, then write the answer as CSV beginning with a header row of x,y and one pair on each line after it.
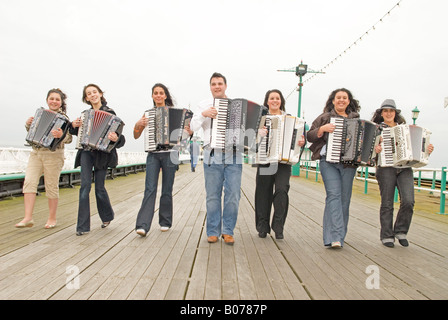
x,y
222,170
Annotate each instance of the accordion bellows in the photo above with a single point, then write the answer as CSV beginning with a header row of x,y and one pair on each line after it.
x,y
45,121
281,142
95,128
165,127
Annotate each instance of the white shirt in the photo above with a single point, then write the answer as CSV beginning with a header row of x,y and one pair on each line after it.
x,y
199,121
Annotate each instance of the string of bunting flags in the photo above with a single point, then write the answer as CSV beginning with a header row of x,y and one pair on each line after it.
x,y
345,51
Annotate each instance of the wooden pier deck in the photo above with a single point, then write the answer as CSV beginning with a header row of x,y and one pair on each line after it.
x,y
116,263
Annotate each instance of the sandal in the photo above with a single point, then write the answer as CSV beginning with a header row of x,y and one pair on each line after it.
x,y
27,224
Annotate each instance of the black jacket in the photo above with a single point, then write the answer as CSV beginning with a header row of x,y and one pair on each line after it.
x,y
103,160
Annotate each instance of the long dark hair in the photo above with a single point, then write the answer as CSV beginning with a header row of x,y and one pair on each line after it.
x,y
352,107
169,100
282,99
84,95
378,118
63,98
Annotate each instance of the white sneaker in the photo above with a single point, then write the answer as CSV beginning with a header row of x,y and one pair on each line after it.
x,y
336,244
164,229
141,232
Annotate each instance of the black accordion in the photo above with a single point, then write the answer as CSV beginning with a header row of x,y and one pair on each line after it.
x,y
95,128
281,142
353,142
165,127
45,121
404,146
236,124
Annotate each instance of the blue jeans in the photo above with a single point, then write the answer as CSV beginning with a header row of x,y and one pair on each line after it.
x,y
102,198
389,178
168,161
194,155
338,183
222,171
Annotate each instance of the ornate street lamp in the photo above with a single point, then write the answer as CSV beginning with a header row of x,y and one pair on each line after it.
x,y
415,114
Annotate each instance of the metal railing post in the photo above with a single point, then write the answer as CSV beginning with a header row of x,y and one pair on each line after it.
x,y
396,195
366,183
442,190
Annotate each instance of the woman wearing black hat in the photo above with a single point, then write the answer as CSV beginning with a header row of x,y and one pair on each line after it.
x,y
390,177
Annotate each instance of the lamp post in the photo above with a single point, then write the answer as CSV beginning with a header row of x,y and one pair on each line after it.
x,y
300,70
415,114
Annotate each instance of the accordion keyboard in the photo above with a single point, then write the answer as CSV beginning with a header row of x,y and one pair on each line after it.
x,y
334,145
387,154
218,135
150,131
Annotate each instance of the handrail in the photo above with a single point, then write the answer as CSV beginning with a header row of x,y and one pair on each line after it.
x,y
364,176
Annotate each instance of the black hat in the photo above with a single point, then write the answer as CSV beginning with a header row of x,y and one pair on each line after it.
x,y
389,104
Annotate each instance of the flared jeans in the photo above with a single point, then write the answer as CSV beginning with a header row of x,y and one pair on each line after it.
x,y
168,162
104,207
338,181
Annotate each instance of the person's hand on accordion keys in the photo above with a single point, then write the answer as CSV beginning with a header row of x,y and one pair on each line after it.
x,y
211,112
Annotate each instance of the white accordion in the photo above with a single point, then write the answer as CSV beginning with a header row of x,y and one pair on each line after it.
x,y
404,146
281,142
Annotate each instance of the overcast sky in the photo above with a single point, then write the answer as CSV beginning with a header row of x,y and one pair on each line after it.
x,y
127,46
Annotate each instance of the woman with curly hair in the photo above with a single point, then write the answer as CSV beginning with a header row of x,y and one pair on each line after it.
x,y
337,177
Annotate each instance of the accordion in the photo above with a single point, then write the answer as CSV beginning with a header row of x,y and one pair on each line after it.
x,y
353,142
95,128
45,121
404,146
281,142
236,124
165,127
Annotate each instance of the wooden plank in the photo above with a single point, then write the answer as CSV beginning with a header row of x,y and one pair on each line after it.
x,y
115,263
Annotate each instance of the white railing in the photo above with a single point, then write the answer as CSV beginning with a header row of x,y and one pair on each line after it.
x,y
15,160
